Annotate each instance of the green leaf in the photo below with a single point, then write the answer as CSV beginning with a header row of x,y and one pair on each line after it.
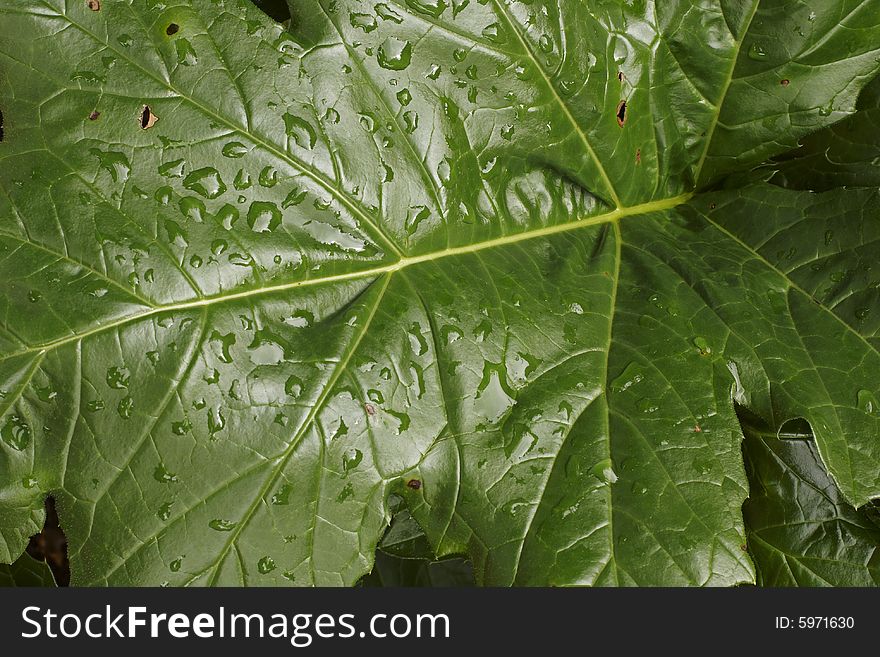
x,y
802,532
254,283
842,154
26,571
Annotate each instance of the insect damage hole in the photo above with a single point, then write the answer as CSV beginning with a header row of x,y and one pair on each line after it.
x,y
94,5
621,113
148,119
172,29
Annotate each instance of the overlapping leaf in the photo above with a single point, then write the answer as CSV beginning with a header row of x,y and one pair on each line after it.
x,y
255,282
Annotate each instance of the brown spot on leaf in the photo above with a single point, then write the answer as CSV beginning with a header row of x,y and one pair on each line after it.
x,y
698,429
172,29
1,126
620,76
148,119
415,484
94,115
638,156
784,82
621,113
94,5
370,409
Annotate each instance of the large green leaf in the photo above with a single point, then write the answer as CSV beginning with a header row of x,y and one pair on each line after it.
x,y
253,282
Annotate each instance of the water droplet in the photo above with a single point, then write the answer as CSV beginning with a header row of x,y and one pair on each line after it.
x,y
757,52
268,177
351,459
867,402
630,376
507,132
125,407
235,150
493,33
219,525
417,341
263,216
164,512
95,405
216,422
410,121
385,12
483,330
218,247
394,54
227,216
16,433
186,54
403,421
293,386
115,163
162,475
192,208
366,22
282,497
604,472
45,394
404,97
346,493
117,377
266,565
647,406
34,296
181,427
701,344
300,131
172,169
300,319
545,43
206,182
512,507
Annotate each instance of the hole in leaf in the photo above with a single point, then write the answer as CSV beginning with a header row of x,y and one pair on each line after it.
x,y
620,76
148,119
94,115
50,545
94,5
415,484
621,113
172,29
784,82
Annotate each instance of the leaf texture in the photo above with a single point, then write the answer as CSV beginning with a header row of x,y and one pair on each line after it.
x,y
480,256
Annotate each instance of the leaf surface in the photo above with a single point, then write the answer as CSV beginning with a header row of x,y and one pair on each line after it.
x,y
255,282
